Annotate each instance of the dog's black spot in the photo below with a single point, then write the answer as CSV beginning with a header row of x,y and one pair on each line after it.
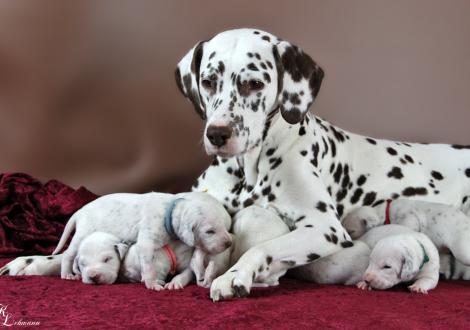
x,y
252,67
371,141
467,172
303,153
409,159
395,173
328,238
267,77
412,191
333,229
312,257
340,209
266,191
338,173
269,259
50,258
271,197
248,202
460,147
392,151
347,244
321,206
361,180
300,218
233,271
437,175
309,226
369,198
301,130
29,261
334,238
266,38
211,55
276,163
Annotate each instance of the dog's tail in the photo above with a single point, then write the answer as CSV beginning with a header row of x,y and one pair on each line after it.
x,y
69,227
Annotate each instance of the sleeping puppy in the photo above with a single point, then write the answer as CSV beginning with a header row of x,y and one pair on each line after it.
x,y
152,220
402,258
447,227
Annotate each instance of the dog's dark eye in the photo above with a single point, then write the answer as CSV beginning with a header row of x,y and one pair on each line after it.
x,y
209,84
255,85
107,259
210,232
386,267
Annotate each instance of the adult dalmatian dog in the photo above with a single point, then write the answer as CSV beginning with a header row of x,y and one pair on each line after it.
x,y
254,91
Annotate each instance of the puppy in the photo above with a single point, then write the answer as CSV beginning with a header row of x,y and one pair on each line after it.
x,y
152,220
402,258
447,227
344,267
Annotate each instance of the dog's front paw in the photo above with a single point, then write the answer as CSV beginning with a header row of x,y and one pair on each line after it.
x,y
363,285
230,285
174,284
155,285
72,277
418,288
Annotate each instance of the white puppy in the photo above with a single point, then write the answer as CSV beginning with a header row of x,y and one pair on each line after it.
x,y
152,220
402,257
447,227
344,267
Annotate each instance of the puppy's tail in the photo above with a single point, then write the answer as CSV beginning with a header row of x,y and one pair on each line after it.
x,y
69,227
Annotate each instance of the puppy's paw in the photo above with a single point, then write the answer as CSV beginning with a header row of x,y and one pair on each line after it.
x,y
174,285
155,285
363,285
72,277
230,285
418,289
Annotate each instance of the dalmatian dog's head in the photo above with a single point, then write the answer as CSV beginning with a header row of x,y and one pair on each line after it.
x,y
99,258
207,223
239,78
393,260
360,220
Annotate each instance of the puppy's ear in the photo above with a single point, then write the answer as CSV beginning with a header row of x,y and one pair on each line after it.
x,y
187,77
121,249
76,267
407,271
299,81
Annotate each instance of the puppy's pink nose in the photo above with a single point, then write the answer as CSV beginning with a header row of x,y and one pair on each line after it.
x,y
368,277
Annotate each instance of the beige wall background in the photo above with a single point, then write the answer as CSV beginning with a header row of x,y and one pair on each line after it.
x,y
87,93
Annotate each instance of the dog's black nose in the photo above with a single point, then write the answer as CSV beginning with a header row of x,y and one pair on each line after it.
x,y
218,135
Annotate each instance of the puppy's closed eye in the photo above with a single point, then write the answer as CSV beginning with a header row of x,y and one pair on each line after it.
x,y
210,232
107,259
386,267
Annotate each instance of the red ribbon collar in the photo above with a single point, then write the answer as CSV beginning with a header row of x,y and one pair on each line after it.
x,y
172,257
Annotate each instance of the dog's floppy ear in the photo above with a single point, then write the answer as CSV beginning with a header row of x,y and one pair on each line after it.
x,y
121,249
299,81
75,267
187,77
407,272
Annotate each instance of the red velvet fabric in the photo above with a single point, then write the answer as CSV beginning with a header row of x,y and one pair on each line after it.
x,y
64,304
33,215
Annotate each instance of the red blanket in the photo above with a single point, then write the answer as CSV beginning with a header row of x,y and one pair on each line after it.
x,y
33,215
